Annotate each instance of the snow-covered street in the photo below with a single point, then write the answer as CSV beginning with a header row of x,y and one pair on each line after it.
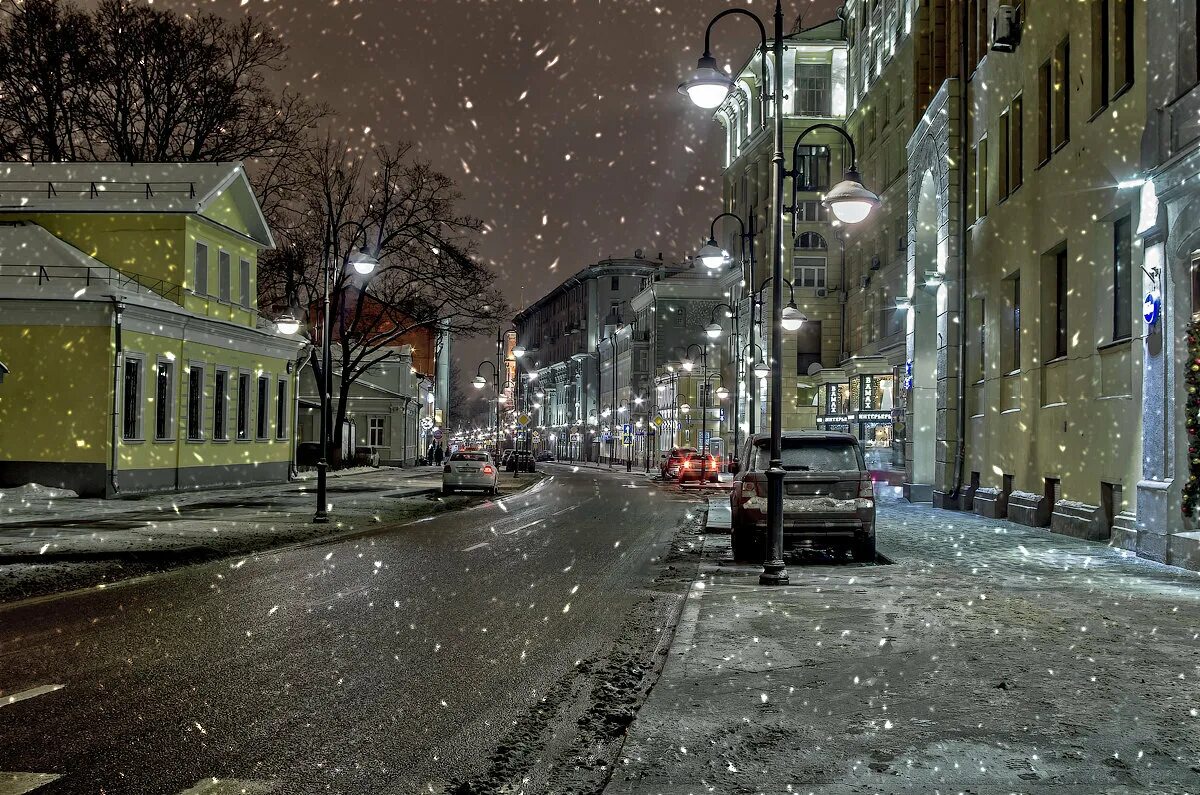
x,y
987,657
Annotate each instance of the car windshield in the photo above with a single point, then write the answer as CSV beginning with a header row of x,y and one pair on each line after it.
x,y
469,457
813,455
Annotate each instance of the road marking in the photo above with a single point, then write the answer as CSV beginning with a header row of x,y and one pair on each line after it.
x,y
522,527
229,786
474,546
32,692
20,783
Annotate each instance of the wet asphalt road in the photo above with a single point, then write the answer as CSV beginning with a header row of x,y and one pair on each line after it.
x,y
391,663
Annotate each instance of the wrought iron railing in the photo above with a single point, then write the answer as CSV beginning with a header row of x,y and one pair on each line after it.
x,y
87,276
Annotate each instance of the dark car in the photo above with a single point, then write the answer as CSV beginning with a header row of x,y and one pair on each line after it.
x,y
520,461
668,463
828,496
700,467
545,455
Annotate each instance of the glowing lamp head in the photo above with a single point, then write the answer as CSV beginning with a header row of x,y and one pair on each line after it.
x,y
362,262
685,408
713,330
478,382
712,256
792,318
708,86
722,393
849,201
287,324
761,369
688,364
519,351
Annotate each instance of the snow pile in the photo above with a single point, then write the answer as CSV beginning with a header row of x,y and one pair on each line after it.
x,y
35,491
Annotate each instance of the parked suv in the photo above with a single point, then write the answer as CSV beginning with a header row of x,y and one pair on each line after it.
x,y
669,462
828,496
699,467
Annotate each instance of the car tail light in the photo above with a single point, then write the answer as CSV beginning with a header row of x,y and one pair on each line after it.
x,y
488,470
866,489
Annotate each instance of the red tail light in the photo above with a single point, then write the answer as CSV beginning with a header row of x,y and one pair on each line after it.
x,y
488,470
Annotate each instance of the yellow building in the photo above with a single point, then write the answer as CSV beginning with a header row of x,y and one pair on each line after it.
x,y
129,324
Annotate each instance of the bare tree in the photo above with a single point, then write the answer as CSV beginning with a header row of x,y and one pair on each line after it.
x,y
404,213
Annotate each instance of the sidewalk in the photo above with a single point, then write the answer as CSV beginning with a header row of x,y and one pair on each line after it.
x,y
989,657
51,545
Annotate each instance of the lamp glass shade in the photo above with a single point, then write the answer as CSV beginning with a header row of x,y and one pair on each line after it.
x,y
722,393
712,256
713,330
478,382
688,364
363,262
685,408
849,201
287,325
791,319
761,369
707,87
519,351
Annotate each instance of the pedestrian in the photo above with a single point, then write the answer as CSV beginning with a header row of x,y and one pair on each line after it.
x,y
438,455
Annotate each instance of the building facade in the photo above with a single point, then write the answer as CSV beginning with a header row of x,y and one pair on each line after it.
x,y
129,322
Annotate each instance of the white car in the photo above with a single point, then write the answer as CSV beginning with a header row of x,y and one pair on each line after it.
x,y
471,469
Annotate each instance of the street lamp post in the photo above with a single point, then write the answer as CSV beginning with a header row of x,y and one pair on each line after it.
x,y
479,382
714,331
849,201
363,263
701,395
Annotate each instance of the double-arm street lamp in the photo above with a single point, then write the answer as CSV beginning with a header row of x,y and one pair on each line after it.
x,y
849,202
363,264
702,396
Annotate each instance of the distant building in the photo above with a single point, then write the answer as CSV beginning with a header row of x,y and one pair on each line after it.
x,y
129,319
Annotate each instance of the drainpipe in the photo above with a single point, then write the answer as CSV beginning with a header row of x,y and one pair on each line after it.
x,y
118,357
960,450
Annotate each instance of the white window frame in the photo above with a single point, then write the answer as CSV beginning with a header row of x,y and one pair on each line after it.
x,y
262,407
220,432
171,409
819,272
281,408
244,379
224,275
187,404
200,269
245,283
139,400
372,428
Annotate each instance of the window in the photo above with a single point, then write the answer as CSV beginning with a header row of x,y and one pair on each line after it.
x,y
131,405
812,167
1003,166
981,179
1100,53
375,436
243,406
195,403
980,340
263,416
616,283
281,409
814,96
811,212
1122,283
164,389
1062,93
1017,149
244,274
809,270
1044,125
223,276
1059,308
221,405
200,278
1122,45
808,346
1014,324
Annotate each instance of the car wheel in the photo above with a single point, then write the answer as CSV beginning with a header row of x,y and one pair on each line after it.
x,y
864,551
447,490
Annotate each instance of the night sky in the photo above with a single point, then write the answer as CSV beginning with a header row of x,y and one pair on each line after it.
x,y
559,118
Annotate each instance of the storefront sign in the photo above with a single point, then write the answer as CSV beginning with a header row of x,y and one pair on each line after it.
x,y
856,416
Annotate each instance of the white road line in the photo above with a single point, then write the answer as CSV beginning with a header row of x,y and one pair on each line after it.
x,y
522,527
229,786
20,783
32,692
475,546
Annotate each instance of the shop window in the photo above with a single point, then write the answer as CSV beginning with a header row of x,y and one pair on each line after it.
x,y
1195,274
131,404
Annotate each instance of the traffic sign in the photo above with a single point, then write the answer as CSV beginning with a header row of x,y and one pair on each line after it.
x,y
427,423
626,439
658,420
523,419
437,433
537,437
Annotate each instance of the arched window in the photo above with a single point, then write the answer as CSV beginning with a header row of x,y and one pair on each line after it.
x,y
809,260
750,112
812,167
